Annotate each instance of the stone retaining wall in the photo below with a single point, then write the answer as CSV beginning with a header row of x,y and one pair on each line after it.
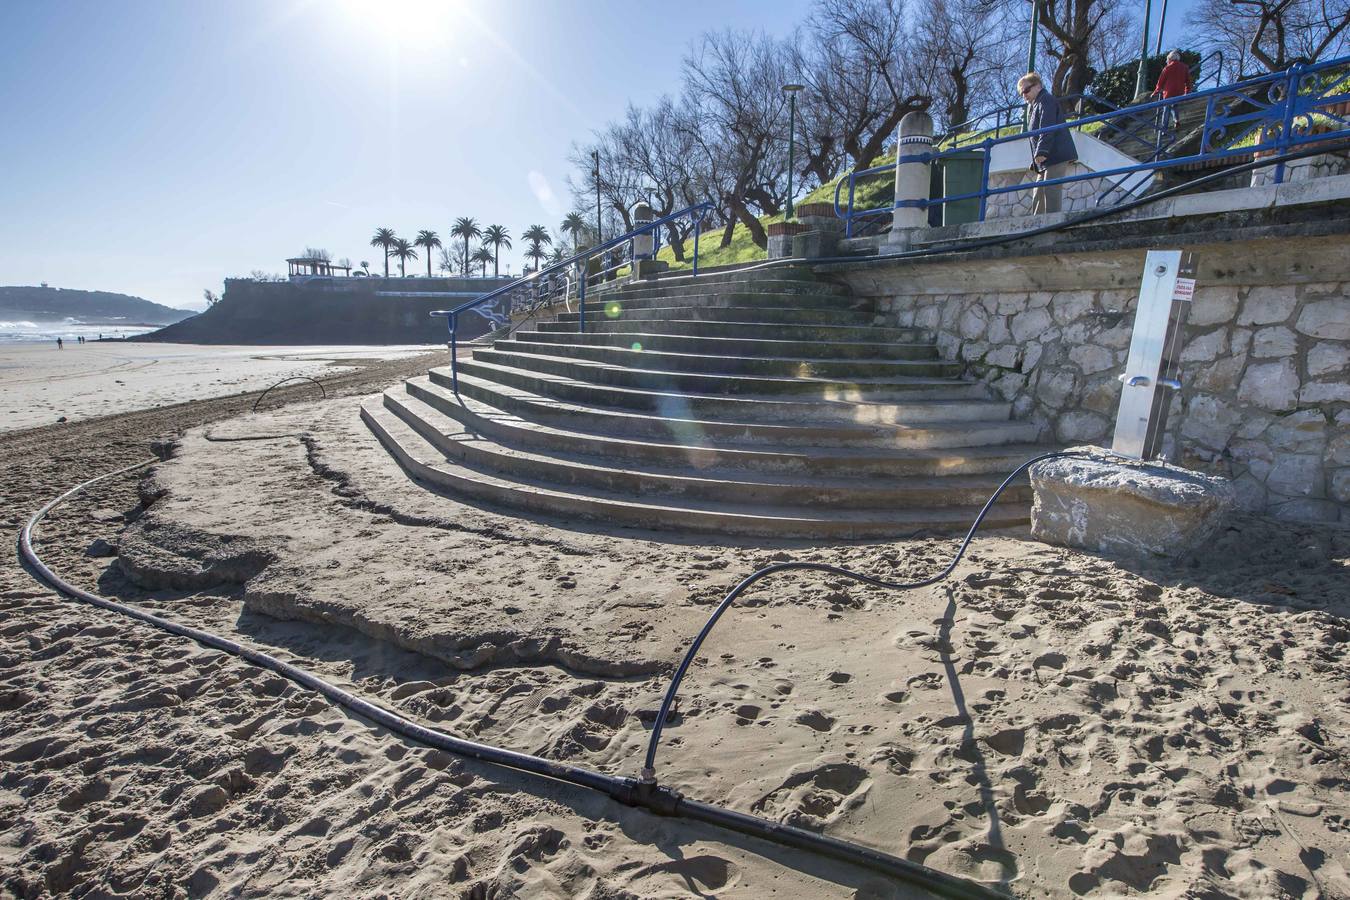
x,y
1266,366
1079,196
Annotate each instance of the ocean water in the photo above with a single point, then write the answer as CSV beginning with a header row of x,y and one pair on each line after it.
x,y
25,331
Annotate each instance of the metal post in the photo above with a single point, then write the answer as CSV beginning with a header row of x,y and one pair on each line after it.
x,y
1282,142
1031,43
454,355
581,292
1154,360
791,90
1162,20
698,226
1141,79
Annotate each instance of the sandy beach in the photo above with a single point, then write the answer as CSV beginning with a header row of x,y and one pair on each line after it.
x,y
1047,722
39,384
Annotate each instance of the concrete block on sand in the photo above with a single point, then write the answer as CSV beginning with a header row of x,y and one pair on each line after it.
x,y
1120,507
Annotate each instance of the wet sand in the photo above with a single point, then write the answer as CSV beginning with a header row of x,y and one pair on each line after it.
x,y
39,384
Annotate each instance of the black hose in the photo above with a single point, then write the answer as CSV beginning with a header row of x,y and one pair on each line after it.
x,y
649,764
629,791
956,245
322,389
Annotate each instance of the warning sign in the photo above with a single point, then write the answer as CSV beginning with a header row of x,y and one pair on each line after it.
x,y
1185,290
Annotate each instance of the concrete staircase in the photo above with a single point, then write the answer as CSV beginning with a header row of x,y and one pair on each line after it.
x,y
757,403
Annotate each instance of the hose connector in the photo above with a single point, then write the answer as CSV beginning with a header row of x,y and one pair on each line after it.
x,y
647,775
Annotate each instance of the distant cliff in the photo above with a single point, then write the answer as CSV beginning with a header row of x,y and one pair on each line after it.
x,y
330,311
94,307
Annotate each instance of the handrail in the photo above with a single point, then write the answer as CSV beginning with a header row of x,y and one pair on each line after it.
x,y
696,211
1284,104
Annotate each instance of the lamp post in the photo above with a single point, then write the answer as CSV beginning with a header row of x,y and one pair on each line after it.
x,y
791,90
1031,43
1141,79
1162,20
599,235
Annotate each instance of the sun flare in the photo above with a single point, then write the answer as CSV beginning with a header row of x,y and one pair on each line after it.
x,y
407,23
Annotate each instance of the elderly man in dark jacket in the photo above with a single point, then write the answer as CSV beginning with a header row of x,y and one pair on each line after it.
x,y
1051,153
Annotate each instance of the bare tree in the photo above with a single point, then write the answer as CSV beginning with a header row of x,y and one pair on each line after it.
x,y
211,298
1278,33
858,78
965,50
1073,26
318,253
734,81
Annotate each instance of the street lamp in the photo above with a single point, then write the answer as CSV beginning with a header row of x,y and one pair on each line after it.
x,y
1141,79
791,90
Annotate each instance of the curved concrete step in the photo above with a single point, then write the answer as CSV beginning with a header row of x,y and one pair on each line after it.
x,y
427,464
760,315
758,300
940,448
643,357
728,346
924,374
745,330
739,286
859,409
475,449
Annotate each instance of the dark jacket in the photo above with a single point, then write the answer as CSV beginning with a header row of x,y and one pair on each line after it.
x,y
1057,146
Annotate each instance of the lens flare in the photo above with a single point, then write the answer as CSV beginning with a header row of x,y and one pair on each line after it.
x,y
637,345
613,309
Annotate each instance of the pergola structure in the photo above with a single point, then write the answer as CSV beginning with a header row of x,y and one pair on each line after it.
x,y
305,266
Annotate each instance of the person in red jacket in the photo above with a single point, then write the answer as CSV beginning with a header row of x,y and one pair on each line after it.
x,y
1174,81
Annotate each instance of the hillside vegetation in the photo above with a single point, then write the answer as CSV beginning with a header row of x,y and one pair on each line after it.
x,y
94,307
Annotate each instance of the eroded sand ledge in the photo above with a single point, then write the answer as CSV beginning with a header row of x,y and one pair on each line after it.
x,y
1046,719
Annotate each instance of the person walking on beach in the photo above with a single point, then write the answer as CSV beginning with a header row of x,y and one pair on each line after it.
x,y
1052,152
1173,81
60,345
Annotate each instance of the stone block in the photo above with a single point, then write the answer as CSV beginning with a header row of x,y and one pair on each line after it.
x,y
998,331
1210,421
1213,305
973,324
1303,431
1305,510
1339,487
1067,306
1328,358
1273,386
1031,355
1082,425
1220,377
1327,319
1092,359
1206,347
1056,387
1120,507
1268,304
1029,325
1004,357
1274,343
1325,392
1296,475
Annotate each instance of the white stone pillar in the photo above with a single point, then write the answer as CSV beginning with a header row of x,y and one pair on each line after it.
x,y
912,176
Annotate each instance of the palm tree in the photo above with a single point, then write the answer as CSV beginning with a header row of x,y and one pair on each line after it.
x,y
536,253
574,225
496,235
384,237
365,266
431,241
484,255
538,234
403,252
467,229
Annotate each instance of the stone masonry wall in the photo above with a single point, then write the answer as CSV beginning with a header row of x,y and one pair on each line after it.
x,y
1265,368
1078,196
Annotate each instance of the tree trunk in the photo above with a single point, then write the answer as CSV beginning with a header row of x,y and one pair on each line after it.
x,y
727,232
466,256
496,256
386,262
757,233
428,260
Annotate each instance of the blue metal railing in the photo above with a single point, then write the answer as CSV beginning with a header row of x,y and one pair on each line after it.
x,y
571,270
1271,114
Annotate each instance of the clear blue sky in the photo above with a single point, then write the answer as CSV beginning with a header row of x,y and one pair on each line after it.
x,y
155,147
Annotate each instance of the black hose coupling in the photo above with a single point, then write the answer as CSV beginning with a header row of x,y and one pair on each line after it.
x,y
649,795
